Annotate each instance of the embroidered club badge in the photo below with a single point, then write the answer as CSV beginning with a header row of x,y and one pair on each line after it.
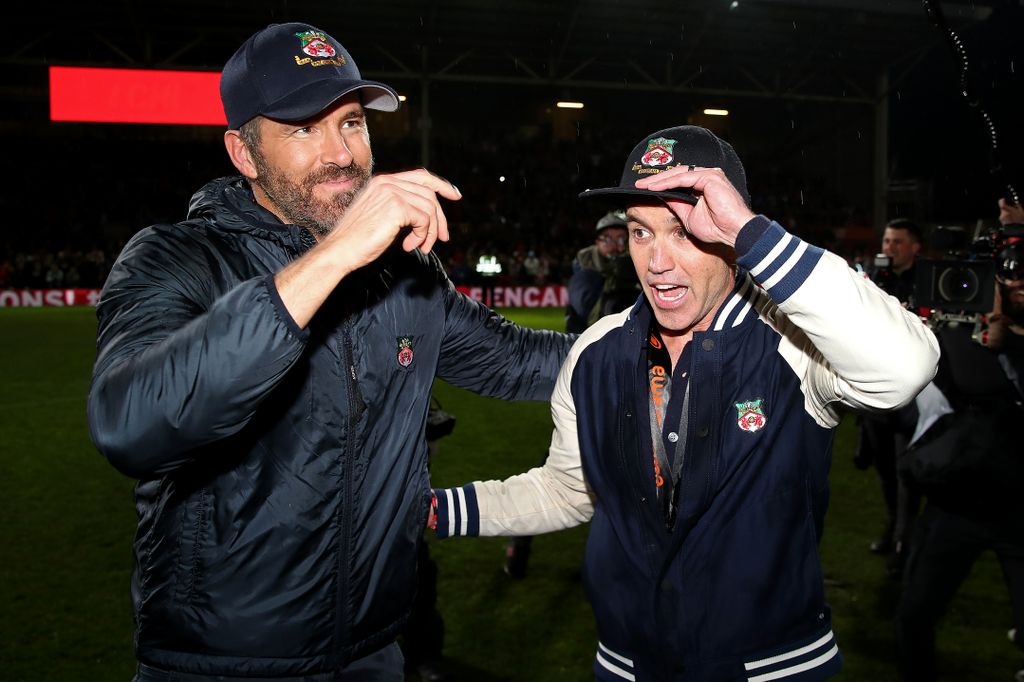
x,y
404,350
659,152
315,44
750,416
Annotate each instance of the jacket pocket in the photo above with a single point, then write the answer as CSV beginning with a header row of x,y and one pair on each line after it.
x,y
194,522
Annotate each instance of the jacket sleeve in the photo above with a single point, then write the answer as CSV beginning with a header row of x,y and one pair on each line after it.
x,y
551,497
485,353
176,368
848,341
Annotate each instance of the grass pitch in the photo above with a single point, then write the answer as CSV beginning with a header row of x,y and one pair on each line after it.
x,y
67,521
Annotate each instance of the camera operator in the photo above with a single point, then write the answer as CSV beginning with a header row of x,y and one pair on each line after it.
x,y
884,437
976,502
901,243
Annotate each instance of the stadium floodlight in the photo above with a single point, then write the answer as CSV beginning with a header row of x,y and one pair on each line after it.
x,y
716,112
569,105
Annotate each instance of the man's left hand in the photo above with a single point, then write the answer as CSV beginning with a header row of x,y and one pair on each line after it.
x,y
720,212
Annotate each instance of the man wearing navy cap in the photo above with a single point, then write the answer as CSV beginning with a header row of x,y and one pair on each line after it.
x,y
694,430
264,369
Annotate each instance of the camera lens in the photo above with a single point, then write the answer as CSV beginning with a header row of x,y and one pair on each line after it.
x,y
958,284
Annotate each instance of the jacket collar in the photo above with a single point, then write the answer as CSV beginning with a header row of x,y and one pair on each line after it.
x,y
230,203
736,309
732,313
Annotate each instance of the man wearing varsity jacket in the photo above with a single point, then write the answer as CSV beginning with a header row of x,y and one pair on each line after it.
x,y
694,430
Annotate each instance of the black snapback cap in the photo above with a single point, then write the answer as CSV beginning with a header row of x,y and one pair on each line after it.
x,y
292,72
671,147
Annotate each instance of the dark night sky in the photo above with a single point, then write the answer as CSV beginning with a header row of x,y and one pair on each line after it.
x,y
935,132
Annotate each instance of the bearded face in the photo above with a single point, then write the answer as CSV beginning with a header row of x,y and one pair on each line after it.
x,y
295,198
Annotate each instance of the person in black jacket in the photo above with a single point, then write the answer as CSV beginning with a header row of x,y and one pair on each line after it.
x,y
264,369
979,506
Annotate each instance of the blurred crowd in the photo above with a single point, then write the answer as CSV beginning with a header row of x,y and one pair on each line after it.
x,y
519,206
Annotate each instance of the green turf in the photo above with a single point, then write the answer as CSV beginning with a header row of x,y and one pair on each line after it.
x,y
66,525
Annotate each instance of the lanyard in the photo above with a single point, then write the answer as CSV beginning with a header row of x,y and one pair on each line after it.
x,y
658,395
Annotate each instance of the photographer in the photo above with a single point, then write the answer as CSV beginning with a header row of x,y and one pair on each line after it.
x,y
970,467
603,280
884,437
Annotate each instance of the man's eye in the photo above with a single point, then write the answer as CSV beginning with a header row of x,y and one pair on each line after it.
x,y
305,130
353,123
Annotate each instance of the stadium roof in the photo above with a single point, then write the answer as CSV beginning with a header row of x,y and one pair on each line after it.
x,y
823,50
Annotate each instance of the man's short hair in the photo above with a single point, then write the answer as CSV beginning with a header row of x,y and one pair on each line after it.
x,y
912,228
250,134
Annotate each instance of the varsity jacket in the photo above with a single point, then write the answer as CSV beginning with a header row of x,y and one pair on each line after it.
x,y
734,590
283,485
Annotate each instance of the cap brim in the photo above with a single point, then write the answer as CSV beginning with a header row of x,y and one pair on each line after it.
x,y
308,101
677,195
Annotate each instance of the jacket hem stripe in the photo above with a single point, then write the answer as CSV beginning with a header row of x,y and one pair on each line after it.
x,y
612,668
799,668
822,641
617,657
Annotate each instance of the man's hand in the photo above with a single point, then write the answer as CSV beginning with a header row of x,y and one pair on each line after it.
x,y
386,207
720,211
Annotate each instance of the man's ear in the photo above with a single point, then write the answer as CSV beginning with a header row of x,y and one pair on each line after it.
x,y
239,154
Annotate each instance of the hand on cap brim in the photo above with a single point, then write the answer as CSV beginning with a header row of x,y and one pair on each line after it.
x,y
720,212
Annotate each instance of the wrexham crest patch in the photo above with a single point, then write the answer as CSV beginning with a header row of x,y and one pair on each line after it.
x,y
750,415
319,52
659,152
315,44
405,353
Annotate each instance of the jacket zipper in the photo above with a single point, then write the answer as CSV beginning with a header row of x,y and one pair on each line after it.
x,y
344,554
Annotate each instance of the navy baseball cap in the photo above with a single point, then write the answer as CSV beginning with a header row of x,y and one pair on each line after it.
x,y
671,147
292,72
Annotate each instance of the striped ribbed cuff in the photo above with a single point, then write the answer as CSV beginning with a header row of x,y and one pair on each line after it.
x,y
778,261
457,511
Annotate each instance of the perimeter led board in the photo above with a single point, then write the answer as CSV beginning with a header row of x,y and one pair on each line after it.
x,y
135,96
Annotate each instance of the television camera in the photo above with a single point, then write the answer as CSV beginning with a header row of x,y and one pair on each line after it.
x,y
960,287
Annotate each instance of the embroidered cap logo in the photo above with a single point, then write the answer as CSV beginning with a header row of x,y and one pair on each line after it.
x,y
659,152
315,44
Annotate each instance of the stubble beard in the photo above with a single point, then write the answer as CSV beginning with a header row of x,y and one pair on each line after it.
x,y
297,201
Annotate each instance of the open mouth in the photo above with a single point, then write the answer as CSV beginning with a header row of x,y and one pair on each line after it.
x,y
666,295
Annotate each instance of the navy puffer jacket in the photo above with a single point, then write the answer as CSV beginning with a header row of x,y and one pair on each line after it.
x,y
282,472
